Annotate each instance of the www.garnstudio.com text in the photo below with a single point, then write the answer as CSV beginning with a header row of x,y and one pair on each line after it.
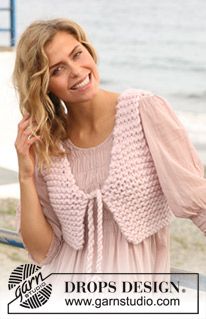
x,y
142,301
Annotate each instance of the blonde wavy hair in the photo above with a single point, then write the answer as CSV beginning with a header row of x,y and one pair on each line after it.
x,y
31,79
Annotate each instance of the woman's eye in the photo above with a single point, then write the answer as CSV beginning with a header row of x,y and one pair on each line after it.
x,y
77,54
57,70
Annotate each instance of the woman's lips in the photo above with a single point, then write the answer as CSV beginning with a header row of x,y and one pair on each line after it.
x,y
83,84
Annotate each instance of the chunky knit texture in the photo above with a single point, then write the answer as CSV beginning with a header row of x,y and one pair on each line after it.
x,y
132,191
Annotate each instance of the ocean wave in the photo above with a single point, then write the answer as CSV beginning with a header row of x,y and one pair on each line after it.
x,y
173,64
191,95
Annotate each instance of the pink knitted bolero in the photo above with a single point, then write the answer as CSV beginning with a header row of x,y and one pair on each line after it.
x,y
132,191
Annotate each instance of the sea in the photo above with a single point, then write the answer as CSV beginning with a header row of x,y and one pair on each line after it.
x,y
159,46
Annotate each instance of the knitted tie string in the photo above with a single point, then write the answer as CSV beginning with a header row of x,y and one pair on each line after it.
x,y
99,232
90,252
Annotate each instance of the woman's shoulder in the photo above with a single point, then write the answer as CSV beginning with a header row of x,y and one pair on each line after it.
x,y
130,93
149,103
147,98
135,93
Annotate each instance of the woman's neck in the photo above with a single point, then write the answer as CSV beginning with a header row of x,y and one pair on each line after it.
x,y
90,116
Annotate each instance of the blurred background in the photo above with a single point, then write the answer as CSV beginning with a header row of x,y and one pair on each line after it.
x,y
158,46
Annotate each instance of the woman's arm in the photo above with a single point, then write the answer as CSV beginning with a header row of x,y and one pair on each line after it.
x,y
36,232
180,172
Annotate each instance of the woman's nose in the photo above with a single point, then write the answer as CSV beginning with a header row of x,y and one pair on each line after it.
x,y
74,71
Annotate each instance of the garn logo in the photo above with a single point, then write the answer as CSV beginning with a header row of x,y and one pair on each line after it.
x,y
30,286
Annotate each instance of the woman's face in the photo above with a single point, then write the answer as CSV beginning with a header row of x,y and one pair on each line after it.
x,y
74,77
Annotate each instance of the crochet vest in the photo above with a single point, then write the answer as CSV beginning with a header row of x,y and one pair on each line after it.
x,y
131,192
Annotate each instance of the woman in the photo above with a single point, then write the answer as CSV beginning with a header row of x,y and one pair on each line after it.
x,y
99,171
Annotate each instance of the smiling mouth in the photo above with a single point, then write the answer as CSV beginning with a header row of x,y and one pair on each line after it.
x,y
82,84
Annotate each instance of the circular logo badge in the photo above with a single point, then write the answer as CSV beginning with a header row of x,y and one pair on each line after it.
x,y
30,286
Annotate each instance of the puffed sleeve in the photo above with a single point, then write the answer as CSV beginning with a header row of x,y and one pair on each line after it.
x,y
56,243
179,169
